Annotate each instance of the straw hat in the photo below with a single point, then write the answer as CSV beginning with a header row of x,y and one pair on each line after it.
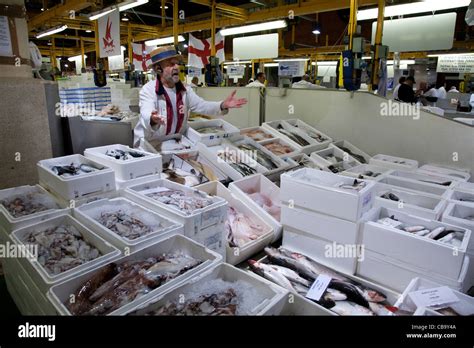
x,y
161,53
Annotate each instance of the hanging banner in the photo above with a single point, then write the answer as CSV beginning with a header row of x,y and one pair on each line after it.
x,y
290,68
109,34
235,70
194,72
199,50
456,64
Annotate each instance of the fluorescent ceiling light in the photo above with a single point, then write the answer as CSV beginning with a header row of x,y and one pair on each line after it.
x,y
101,13
367,57
450,54
163,41
76,58
125,19
270,65
402,62
316,32
253,28
166,7
88,31
52,31
237,62
412,8
325,63
128,5
292,60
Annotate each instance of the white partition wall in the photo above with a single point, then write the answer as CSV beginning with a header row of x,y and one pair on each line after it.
x,y
248,115
358,119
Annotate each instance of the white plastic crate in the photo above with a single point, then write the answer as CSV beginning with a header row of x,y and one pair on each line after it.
x,y
465,186
40,276
199,219
77,186
60,293
235,255
129,169
389,181
212,155
294,149
123,184
460,214
393,162
9,222
341,158
258,183
265,133
367,172
312,144
319,137
210,139
465,305
169,147
462,196
425,206
396,275
320,192
266,297
441,180
362,157
462,174
89,215
437,258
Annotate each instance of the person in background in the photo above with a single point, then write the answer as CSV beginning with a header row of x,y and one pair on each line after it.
x,y
195,82
406,93
165,102
401,80
305,83
259,81
442,91
453,89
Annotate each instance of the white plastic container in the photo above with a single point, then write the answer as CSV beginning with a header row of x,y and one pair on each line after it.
x,y
41,277
294,149
89,215
413,186
169,147
393,162
444,181
465,306
9,222
422,205
319,137
272,296
463,197
435,257
458,214
462,174
60,293
199,219
77,186
123,184
319,191
235,255
362,171
130,169
312,145
258,183
212,155
267,135
465,186
211,139
320,157
355,150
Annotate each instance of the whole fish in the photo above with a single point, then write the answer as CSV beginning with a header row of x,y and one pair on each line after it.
x,y
352,292
390,196
413,229
350,308
171,267
370,295
444,234
379,309
240,229
262,158
291,275
358,157
335,295
293,136
271,274
434,233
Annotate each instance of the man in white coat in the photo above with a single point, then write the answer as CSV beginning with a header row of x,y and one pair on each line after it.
x,y
165,102
306,83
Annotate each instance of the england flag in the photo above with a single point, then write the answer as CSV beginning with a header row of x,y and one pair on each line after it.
x,y
141,56
199,50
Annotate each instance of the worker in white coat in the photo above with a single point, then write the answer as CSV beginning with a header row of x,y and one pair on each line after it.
x,y
165,102
306,83
259,81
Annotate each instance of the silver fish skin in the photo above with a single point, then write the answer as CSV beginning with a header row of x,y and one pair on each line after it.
x,y
287,261
379,309
422,233
447,238
335,295
291,275
436,231
271,274
350,308
412,229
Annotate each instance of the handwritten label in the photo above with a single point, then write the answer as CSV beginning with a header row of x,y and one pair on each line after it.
x,y
434,297
319,287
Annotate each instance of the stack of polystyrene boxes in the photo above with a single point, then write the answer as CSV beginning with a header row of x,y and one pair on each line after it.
x,y
322,214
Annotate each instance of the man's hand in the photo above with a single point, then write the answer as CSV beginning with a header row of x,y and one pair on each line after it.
x,y
232,102
156,119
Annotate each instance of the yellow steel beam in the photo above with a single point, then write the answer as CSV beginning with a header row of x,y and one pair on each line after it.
x,y
129,44
213,28
68,37
175,22
224,9
82,54
352,21
97,47
378,41
163,14
58,11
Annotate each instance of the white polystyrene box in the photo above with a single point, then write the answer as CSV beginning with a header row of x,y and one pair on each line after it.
x,y
436,257
465,186
393,162
60,293
41,277
317,191
362,171
272,295
129,169
457,214
77,186
320,157
322,140
465,304
235,255
259,183
212,154
355,150
462,196
89,214
457,173
194,222
436,179
8,222
419,204
211,139
312,144
415,186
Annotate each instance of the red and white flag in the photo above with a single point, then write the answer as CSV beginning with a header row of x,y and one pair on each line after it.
x,y
199,50
109,35
141,56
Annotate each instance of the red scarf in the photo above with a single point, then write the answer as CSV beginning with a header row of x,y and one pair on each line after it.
x,y
180,89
